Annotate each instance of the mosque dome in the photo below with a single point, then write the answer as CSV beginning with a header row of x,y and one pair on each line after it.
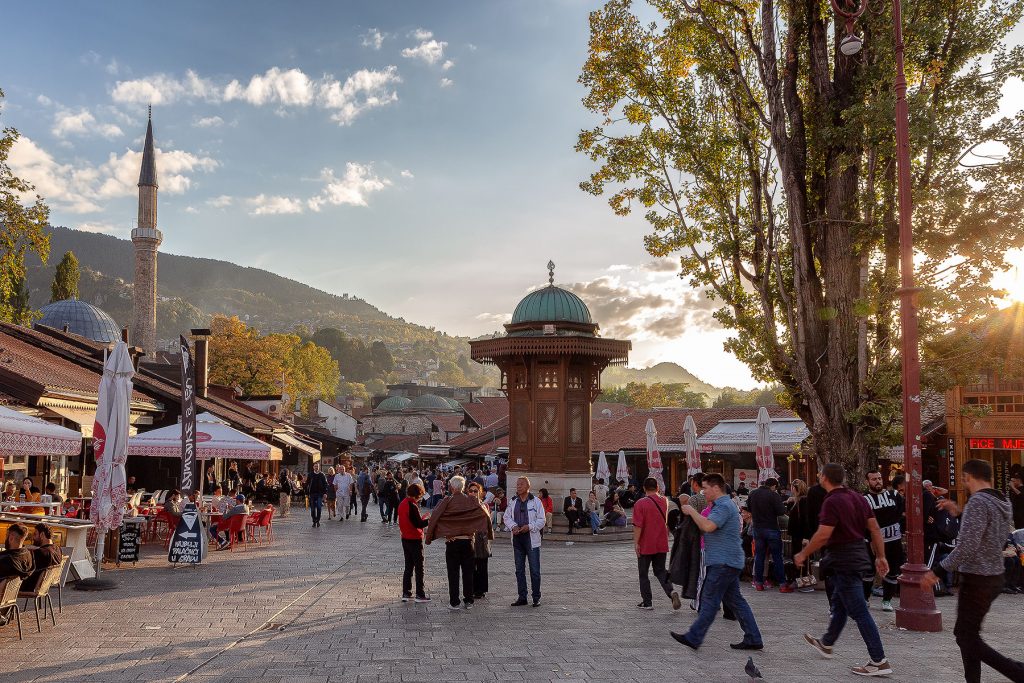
x,y
392,403
551,305
80,318
429,402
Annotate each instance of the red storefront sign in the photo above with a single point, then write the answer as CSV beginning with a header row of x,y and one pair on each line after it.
x,y
996,443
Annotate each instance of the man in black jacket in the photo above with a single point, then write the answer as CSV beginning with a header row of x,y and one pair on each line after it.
x,y
573,509
766,507
317,488
15,561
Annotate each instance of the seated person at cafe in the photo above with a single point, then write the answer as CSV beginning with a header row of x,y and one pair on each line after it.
x,y
51,491
15,560
10,491
240,508
34,496
44,555
130,486
173,504
219,503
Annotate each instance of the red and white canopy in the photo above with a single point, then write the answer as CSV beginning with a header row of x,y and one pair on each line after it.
x,y
22,434
214,439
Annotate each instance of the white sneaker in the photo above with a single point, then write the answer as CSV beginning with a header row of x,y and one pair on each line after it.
x,y
881,668
454,608
887,606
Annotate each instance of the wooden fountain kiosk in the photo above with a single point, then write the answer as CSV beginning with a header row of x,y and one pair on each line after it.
x,y
551,359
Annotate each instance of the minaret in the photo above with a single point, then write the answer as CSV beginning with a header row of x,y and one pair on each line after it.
x,y
146,238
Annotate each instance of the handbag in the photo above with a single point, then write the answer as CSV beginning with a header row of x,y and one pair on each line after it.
x,y
806,578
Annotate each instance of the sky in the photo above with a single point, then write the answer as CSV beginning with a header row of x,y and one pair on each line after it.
x,y
417,155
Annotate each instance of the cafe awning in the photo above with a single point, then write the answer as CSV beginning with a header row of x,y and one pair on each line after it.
x,y
214,439
299,445
22,435
740,436
402,457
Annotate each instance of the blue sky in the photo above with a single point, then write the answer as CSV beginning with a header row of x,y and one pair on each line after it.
x,y
419,155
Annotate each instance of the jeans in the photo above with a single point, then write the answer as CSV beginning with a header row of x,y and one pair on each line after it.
x,y
412,548
976,596
645,563
389,512
768,539
722,584
316,507
848,601
595,522
458,555
522,549
383,506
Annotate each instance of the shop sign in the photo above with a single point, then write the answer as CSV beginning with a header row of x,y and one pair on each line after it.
x,y
996,443
951,451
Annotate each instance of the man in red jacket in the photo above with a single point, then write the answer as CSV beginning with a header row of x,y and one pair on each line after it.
x,y
411,525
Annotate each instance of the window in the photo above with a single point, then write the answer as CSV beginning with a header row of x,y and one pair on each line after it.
x,y
547,417
575,378
547,375
522,423
576,416
522,378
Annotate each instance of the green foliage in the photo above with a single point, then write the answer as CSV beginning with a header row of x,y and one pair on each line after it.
x,y
18,300
65,280
755,397
357,361
22,230
655,395
765,161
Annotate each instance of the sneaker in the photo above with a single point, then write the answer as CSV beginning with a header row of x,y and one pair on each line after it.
x,y
421,598
644,605
536,602
467,605
758,586
785,588
824,650
887,606
881,668
676,602
406,597
454,608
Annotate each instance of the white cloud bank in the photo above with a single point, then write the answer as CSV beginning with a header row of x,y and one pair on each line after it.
x,y
82,123
354,188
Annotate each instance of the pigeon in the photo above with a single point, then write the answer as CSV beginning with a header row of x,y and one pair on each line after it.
x,y
752,671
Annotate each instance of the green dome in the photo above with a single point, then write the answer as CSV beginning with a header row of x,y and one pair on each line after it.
x,y
393,403
551,305
429,402
454,404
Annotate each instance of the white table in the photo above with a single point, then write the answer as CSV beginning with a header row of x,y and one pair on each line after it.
x,y
76,532
16,506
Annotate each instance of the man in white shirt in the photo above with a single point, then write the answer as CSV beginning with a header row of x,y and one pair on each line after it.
x,y
343,485
491,480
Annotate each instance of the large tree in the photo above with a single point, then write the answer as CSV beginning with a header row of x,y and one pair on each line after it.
x,y
65,279
23,228
765,159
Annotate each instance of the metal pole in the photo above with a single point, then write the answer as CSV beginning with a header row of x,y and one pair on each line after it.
x,y
917,610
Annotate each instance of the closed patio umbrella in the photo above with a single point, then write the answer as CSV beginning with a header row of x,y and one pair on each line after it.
x,y
690,444
653,456
763,451
621,471
602,468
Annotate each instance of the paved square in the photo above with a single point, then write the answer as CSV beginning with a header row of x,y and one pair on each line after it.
x,y
322,605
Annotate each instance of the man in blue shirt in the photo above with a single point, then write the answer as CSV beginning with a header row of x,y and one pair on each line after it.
x,y
723,561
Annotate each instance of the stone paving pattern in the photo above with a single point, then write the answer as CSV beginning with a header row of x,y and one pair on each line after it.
x,y
330,598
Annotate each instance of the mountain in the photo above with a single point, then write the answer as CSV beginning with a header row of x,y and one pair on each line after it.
x,y
666,373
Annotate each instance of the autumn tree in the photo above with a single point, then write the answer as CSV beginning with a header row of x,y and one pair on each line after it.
x,y
765,159
23,228
18,301
65,279
657,395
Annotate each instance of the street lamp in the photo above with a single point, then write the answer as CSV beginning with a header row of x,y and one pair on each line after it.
x,y
917,610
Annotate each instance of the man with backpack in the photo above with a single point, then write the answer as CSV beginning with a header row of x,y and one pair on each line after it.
x,y
650,540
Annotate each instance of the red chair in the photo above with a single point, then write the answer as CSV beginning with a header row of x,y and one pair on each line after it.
x,y
262,520
236,530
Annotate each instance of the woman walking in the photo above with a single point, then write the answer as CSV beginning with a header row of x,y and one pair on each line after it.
x,y
389,497
799,525
411,524
481,547
332,494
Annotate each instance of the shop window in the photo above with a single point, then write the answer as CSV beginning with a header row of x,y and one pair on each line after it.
x,y
547,428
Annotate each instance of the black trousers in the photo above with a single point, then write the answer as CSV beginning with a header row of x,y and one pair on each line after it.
x,y
365,499
413,550
480,576
458,555
656,562
896,558
573,516
976,596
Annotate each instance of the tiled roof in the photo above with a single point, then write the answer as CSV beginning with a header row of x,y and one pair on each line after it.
x,y
629,431
489,446
484,435
617,410
483,411
448,423
398,443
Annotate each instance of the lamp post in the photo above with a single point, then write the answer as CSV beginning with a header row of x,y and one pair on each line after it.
x,y
917,610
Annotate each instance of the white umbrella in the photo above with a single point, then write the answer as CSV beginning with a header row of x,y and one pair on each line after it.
x,y
763,454
621,471
110,445
653,456
602,468
690,444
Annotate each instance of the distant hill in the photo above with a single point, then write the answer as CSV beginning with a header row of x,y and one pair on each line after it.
x,y
666,373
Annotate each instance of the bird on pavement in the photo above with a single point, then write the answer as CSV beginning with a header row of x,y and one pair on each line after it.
x,y
752,671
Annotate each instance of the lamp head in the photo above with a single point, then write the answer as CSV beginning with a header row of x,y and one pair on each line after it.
x,y
851,44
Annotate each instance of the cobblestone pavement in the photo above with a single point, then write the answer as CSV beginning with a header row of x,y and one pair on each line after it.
x,y
322,605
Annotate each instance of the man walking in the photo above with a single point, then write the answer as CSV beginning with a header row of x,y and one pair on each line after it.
x,y
365,487
844,521
317,488
285,487
524,515
978,556
343,488
888,510
650,540
765,506
724,560
459,518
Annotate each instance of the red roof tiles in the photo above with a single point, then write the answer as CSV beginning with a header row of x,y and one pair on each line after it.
x,y
483,411
629,431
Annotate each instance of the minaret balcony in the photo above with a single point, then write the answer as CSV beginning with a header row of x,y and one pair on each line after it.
x,y
147,234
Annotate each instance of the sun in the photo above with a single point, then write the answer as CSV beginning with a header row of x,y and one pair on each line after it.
x,y
1011,280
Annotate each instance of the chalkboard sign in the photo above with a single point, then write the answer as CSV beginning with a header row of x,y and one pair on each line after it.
x,y
128,544
188,545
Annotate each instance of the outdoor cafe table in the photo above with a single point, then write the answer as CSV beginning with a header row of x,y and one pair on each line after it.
x,y
72,534
14,505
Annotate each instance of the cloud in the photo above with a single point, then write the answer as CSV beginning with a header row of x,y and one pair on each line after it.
x,y
44,100
208,122
78,188
428,51
663,265
282,88
352,189
421,34
373,39
113,67
263,205
82,122
448,63
220,202
447,82
407,174
99,227
494,318
191,209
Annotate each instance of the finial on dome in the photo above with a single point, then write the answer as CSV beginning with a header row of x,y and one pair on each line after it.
x,y
551,273
151,112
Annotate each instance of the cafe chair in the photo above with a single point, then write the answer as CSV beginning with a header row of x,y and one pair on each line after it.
x,y
260,526
9,598
236,531
65,570
41,595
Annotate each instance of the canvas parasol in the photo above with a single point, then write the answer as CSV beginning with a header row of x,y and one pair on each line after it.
x,y
602,468
653,456
763,452
690,444
621,471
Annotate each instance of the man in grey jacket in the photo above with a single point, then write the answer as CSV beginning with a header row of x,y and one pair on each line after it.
x,y
978,556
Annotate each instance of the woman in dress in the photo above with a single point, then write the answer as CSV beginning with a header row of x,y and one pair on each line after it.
x,y
332,494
